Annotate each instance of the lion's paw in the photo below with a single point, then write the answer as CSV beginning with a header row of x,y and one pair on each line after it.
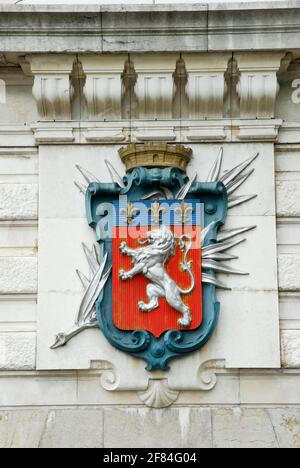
x,y
123,246
123,275
142,306
185,321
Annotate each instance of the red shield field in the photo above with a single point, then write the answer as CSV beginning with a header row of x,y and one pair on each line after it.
x,y
127,294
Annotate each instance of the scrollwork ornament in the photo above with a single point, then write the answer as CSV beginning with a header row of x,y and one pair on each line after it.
x,y
109,380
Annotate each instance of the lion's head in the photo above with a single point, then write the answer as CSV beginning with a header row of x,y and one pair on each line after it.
x,y
160,241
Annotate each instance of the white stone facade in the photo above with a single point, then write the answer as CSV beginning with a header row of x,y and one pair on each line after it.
x,y
74,95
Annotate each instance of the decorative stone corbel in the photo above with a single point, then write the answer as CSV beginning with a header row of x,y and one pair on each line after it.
x,y
154,88
258,86
52,88
158,390
103,86
206,84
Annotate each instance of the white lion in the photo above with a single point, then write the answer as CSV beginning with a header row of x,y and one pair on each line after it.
x,y
150,261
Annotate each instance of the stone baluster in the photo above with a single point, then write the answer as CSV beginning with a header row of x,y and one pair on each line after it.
x,y
258,86
206,84
103,86
52,88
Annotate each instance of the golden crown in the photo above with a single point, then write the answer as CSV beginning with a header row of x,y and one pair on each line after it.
x,y
155,155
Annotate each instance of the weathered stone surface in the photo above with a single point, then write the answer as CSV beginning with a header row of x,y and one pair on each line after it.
x,y
18,201
176,427
227,427
75,28
290,348
17,351
132,29
21,428
256,428
289,272
288,197
243,428
84,28
231,24
73,428
286,423
18,275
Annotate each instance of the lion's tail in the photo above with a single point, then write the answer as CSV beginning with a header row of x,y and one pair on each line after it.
x,y
186,265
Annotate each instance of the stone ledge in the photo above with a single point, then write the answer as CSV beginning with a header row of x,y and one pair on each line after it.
x,y
123,8
173,130
12,136
235,387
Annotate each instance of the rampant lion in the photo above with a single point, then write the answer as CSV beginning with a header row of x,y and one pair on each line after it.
x,y
150,261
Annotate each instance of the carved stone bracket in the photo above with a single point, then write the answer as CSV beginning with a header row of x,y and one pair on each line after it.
x,y
206,84
159,393
103,85
52,87
155,86
151,88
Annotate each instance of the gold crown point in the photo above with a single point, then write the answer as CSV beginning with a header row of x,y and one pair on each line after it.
x,y
160,155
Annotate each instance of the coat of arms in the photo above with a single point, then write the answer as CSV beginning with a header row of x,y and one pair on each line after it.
x,y
160,244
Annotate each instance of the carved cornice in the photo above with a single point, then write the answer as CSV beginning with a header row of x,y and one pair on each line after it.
x,y
194,28
132,29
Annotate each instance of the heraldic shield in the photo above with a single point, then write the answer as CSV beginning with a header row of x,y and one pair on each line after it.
x,y
152,290
152,226
157,257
